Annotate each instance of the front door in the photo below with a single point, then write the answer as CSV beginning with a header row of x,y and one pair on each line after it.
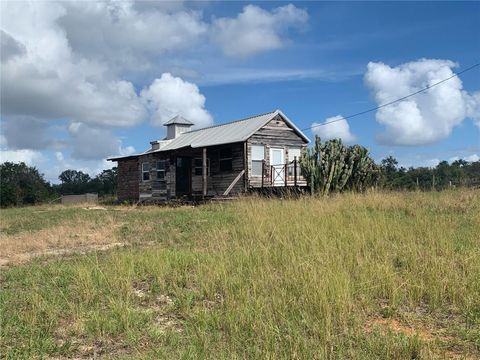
x,y
183,174
277,161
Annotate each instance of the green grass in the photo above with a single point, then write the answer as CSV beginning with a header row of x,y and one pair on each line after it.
x,y
371,276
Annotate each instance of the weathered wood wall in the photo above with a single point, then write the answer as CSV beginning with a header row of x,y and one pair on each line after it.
x,y
278,134
156,189
217,180
221,180
128,179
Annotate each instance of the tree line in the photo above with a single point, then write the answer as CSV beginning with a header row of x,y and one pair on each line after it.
x,y
21,184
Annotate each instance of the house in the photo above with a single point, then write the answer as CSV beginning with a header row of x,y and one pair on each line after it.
x,y
225,159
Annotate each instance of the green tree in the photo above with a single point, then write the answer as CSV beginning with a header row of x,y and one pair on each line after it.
x,y
73,182
21,184
106,182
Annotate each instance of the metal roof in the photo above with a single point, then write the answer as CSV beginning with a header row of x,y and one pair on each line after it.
x,y
232,132
178,120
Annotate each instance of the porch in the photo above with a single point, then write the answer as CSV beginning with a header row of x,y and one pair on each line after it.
x,y
279,175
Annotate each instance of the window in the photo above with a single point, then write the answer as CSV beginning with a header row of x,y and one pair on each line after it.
x,y
198,166
161,169
292,154
145,171
258,155
226,159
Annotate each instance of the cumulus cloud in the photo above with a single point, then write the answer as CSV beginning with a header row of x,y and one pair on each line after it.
x,y
50,81
132,32
9,47
56,67
424,118
35,138
255,30
337,128
473,107
90,143
29,157
472,158
170,96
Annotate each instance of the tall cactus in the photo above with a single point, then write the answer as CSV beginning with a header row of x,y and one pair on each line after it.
x,y
332,166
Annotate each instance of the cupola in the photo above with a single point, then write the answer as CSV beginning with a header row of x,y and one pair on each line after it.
x,y
177,126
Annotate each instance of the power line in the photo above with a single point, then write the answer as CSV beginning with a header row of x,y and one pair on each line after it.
x,y
394,101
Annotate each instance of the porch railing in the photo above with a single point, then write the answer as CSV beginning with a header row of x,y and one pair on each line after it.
x,y
288,174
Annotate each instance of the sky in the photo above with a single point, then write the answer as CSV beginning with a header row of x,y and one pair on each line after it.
x,y
82,81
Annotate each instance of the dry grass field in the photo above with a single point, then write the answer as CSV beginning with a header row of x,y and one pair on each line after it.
x,y
374,276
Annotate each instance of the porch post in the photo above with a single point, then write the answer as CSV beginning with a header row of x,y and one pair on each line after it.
x,y
204,171
263,171
295,171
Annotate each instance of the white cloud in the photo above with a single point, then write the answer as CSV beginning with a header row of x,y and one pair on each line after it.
x,y
3,141
131,32
58,164
91,143
472,158
473,107
424,118
29,157
338,128
469,158
256,30
170,96
431,163
59,156
50,81
129,150
56,66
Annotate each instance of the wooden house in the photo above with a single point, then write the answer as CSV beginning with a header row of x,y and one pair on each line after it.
x,y
220,160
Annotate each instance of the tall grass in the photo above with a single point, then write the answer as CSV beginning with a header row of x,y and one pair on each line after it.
x,y
353,276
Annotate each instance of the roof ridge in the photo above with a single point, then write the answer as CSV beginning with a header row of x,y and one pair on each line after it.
x,y
231,122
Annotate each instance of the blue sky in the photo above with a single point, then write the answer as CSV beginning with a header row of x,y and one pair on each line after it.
x,y
83,83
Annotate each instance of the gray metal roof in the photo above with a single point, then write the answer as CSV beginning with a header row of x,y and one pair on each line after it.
x,y
178,120
232,132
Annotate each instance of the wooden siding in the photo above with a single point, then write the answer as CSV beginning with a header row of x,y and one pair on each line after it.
x,y
127,187
217,181
221,180
277,134
156,189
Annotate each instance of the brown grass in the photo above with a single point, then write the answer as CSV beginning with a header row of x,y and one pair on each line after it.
x,y
78,235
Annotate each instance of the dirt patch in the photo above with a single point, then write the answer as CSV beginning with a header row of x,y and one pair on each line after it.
x,y
21,258
166,323
163,306
397,327
77,237
437,328
94,208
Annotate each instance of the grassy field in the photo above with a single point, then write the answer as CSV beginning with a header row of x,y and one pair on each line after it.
x,y
375,276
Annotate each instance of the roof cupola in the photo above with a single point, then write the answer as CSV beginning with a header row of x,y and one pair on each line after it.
x,y
176,126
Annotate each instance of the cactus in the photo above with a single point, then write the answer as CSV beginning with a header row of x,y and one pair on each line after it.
x,y
332,166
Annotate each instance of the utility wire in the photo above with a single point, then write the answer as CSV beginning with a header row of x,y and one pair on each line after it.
x,y
394,101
